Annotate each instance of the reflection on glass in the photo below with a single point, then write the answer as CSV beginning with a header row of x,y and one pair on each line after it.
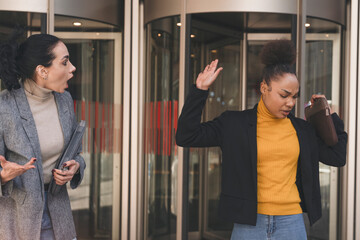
x,y
161,111
93,94
254,72
207,45
9,21
322,69
319,58
224,95
72,24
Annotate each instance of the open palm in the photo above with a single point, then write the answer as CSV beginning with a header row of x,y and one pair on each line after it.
x,y
10,170
208,76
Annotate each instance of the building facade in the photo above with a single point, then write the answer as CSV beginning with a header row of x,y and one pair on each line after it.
x,y
136,61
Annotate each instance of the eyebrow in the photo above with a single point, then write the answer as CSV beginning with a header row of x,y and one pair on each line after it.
x,y
65,57
289,92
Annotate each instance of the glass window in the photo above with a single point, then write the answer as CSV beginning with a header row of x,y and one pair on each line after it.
x,y
221,36
9,21
322,76
73,24
213,37
161,110
96,89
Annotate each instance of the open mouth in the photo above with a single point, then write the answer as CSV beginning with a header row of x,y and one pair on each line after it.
x,y
286,112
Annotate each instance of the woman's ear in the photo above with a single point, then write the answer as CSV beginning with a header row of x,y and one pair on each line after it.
x,y
263,87
41,72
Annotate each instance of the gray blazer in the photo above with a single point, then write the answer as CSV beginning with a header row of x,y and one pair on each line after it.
x,y
22,199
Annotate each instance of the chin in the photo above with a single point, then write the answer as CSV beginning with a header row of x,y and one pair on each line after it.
x,y
60,90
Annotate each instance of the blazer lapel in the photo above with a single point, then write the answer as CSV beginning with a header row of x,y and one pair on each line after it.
x,y
304,158
252,121
27,120
64,116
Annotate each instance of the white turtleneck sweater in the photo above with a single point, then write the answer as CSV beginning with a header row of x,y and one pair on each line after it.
x,y
45,113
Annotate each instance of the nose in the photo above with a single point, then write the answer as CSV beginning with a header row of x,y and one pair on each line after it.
x,y
291,102
72,68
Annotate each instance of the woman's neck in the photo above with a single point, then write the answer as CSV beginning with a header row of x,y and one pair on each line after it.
x,y
34,90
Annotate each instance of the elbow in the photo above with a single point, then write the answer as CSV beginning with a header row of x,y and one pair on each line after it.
x,y
342,162
179,140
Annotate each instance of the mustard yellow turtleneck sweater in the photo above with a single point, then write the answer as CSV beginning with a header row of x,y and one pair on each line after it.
x,y
278,152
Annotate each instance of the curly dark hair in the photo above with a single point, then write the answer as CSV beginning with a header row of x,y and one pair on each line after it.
x,y
19,62
278,57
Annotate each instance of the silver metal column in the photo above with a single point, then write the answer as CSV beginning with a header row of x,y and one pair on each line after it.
x,y
50,23
352,121
125,204
300,54
180,179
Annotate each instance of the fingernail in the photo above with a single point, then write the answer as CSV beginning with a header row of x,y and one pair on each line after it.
x,y
34,159
64,165
53,170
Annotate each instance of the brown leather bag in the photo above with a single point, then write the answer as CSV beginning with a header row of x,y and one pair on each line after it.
x,y
318,114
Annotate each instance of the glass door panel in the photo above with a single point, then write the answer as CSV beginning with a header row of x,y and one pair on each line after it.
x,y
322,69
237,87
208,43
96,92
161,111
322,77
224,95
11,21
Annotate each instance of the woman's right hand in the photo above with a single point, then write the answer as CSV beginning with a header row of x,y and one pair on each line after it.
x,y
208,76
11,170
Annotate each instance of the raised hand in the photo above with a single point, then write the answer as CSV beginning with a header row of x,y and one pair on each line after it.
x,y
11,170
63,176
208,76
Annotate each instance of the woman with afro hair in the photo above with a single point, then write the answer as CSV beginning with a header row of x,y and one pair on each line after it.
x,y
270,158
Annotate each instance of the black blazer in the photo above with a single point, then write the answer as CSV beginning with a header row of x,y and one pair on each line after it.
x,y
235,133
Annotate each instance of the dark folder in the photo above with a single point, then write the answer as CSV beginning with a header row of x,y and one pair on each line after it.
x,y
69,153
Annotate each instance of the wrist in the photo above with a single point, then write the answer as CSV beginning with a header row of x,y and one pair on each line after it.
x,y
3,179
201,87
78,170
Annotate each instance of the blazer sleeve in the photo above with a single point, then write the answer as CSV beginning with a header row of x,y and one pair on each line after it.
x,y
6,189
191,132
335,155
77,178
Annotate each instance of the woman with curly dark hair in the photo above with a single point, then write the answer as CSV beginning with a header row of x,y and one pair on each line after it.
x,y
270,164
36,122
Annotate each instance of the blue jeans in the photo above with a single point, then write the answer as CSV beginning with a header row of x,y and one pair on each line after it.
x,y
47,232
272,228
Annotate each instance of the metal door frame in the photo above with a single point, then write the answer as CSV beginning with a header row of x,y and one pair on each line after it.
x,y
118,94
336,38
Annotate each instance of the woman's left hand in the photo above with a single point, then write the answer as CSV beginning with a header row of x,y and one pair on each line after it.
x,y
63,176
315,96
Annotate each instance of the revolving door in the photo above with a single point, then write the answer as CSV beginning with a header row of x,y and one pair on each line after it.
x,y
235,38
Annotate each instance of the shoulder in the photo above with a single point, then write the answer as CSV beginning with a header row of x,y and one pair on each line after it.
x,y
232,113
301,124
301,121
65,95
5,101
238,115
64,98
